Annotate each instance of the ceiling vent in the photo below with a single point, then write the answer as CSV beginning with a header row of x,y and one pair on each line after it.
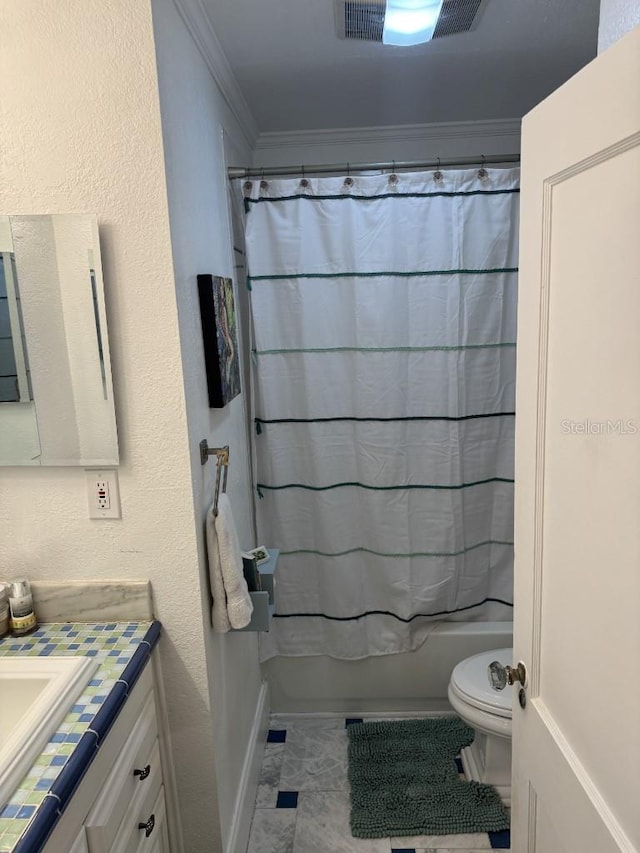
x,y
361,19
364,19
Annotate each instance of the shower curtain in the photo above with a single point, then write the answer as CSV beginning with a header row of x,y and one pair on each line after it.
x,y
383,364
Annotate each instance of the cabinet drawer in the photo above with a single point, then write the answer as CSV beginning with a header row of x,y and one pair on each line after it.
x,y
158,840
161,843
133,836
137,765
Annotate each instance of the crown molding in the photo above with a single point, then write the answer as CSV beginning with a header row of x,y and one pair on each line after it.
x,y
199,25
393,133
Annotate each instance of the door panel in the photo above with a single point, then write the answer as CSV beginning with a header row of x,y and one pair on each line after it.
x,y
547,835
591,475
577,743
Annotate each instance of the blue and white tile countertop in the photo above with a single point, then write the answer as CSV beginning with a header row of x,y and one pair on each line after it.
x,y
122,649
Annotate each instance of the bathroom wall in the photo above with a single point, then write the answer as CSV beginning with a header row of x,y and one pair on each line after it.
x,y
197,127
617,17
81,130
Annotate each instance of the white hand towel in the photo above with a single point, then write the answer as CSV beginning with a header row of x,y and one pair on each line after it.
x,y
219,617
239,604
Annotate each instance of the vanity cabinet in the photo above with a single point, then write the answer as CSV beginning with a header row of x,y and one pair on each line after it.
x,y
120,804
80,844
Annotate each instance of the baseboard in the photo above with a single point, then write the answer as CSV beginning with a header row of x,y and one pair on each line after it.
x,y
375,707
284,717
247,789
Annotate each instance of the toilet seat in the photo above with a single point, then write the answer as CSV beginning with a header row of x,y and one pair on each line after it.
x,y
470,684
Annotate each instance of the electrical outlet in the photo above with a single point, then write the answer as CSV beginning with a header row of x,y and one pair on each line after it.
x,y
103,493
102,496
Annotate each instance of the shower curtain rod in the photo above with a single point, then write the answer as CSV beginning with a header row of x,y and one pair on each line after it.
x,y
235,172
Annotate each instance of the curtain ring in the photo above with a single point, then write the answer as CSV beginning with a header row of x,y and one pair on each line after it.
x,y
482,172
247,186
348,181
304,183
437,175
264,185
393,178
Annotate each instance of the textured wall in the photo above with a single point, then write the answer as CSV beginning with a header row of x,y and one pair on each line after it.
x,y
617,17
194,121
80,131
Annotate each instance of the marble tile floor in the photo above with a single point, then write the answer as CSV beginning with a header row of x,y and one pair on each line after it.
x,y
302,805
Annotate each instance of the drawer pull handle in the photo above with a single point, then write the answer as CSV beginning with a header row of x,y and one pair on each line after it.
x,y
148,826
142,773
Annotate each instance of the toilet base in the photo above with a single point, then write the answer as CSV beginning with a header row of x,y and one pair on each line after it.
x,y
488,760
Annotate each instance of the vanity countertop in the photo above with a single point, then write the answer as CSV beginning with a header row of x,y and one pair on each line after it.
x,y
122,650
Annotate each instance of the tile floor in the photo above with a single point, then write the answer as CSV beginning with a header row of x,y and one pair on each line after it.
x,y
302,804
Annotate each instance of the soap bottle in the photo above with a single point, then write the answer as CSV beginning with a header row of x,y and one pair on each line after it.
x,y
23,618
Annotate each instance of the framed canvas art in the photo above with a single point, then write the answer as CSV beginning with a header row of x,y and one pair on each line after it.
x,y
221,356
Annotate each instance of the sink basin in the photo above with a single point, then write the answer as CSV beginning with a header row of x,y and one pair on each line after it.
x,y
37,694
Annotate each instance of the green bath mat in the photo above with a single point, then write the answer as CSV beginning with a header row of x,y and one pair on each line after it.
x,y
404,781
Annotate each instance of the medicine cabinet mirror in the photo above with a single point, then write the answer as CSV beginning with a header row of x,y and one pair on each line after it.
x,y
56,394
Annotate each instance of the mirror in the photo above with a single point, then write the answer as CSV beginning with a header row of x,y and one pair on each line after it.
x,y
56,394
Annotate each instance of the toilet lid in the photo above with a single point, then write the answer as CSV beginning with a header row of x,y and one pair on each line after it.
x,y
471,682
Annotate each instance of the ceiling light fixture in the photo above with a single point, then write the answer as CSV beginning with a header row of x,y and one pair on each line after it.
x,y
408,22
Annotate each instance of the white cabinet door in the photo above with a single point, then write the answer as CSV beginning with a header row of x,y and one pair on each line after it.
x,y
576,744
80,844
133,772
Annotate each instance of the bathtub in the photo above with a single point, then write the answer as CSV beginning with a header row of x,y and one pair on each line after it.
x,y
407,682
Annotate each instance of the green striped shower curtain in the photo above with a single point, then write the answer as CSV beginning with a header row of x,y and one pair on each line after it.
x,y
384,318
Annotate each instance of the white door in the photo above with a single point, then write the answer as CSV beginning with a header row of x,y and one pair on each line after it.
x,y
576,744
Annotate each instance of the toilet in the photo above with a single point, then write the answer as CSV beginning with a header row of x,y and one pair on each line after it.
x,y
488,711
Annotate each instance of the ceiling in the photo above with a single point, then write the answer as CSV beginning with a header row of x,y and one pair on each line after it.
x,y
296,74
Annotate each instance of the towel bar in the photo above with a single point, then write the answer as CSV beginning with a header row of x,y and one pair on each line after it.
x,y
222,461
